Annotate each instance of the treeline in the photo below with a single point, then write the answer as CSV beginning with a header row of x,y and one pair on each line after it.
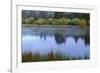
x,y
60,21
57,18
51,14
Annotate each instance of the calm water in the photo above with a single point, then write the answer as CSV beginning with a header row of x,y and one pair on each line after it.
x,y
73,41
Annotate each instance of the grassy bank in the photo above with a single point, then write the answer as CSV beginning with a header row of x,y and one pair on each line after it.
x,y
29,57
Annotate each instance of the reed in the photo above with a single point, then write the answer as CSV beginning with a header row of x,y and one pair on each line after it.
x,y
36,57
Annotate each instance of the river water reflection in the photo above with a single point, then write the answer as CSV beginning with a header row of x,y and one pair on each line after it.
x,y
72,41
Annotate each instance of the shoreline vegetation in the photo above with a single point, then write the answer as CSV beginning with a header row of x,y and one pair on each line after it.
x,y
55,22
37,57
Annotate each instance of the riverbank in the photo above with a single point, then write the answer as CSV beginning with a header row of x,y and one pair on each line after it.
x,y
34,25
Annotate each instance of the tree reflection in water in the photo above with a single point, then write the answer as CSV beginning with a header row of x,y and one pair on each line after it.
x,y
60,38
43,36
55,44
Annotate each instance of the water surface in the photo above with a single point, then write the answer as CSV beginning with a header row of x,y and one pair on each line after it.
x,y
69,41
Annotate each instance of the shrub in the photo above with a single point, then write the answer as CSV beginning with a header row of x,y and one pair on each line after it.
x,y
75,21
61,21
49,21
55,22
31,20
68,21
27,20
36,18
83,23
39,21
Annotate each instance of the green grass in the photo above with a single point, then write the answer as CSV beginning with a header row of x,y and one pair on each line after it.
x,y
36,57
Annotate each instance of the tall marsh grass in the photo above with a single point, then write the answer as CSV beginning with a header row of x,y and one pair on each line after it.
x,y
36,57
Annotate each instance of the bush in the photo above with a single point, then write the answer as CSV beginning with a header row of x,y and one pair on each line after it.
x,y
55,22
31,20
75,21
39,21
27,20
68,21
83,23
36,18
61,21
49,21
